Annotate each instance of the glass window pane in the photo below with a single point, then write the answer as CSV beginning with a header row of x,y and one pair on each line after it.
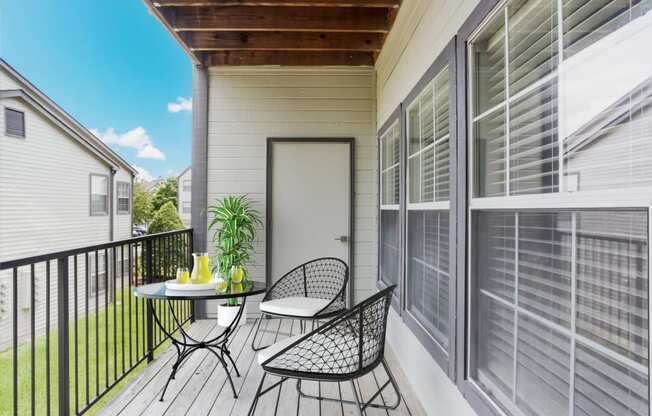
x,y
389,246
606,387
496,256
489,66
428,175
489,147
612,281
414,168
545,264
533,42
428,272
441,104
534,150
607,130
442,175
494,366
426,116
413,128
543,369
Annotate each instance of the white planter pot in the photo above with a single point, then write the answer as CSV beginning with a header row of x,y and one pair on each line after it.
x,y
226,315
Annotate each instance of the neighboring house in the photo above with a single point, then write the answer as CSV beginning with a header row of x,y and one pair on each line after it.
x,y
152,186
60,188
184,195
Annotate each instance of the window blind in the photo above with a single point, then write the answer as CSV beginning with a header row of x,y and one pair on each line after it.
x,y
563,311
389,204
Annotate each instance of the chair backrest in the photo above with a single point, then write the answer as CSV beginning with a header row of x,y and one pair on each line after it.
x,y
323,278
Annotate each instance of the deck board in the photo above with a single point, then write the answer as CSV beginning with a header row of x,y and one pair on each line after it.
x,y
201,386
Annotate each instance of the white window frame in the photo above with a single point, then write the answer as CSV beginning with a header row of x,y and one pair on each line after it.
x,y
628,198
90,199
7,132
118,197
397,165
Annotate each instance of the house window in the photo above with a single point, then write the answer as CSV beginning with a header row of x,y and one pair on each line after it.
x,y
124,197
186,207
99,195
14,123
428,274
186,186
561,139
389,205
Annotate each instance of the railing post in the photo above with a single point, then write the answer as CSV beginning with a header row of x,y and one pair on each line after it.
x,y
191,249
149,270
64,343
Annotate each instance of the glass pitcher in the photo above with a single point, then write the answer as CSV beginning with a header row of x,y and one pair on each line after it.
x,y
201,274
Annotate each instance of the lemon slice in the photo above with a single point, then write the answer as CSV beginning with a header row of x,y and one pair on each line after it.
x,y
221,286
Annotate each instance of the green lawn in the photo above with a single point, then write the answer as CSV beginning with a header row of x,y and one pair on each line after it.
x,y
99,357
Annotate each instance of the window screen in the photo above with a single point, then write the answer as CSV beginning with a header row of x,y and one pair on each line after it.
x,y
14,122
124,197
389,205
99,195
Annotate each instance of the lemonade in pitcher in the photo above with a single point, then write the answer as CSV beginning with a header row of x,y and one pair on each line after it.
x,y
201,274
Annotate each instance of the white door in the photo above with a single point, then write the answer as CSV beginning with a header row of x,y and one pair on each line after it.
x,y
310,201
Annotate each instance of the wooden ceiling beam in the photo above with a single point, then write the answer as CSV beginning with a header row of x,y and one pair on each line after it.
x,y
296,19
288,41
287,3
295,58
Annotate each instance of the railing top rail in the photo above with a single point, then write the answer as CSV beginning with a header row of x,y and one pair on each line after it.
x,y
25,261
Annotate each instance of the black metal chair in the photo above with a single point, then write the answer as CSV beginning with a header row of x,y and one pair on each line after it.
x,y
344,349
313,291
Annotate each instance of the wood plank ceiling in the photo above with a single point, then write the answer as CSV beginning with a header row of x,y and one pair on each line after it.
x,y
278,32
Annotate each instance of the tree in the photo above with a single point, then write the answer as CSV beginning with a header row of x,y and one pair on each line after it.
x,y
142,205
165,219
166,192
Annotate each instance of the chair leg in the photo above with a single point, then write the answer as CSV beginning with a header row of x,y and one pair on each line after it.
x,y
358,406
254,346
252,409
392,380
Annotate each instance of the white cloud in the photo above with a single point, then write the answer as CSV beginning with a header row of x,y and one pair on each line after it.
x,y
150,152
136,138
182,104
143,174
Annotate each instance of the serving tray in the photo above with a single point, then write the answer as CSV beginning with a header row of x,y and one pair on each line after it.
x,y
190,287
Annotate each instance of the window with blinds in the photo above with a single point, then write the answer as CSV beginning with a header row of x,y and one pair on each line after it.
x,y
561,111
99,195
389,205
428,277
124,197
14,123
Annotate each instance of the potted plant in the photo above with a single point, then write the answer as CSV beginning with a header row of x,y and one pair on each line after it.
x,y
234,222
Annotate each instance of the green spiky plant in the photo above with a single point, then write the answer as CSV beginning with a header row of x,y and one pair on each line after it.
x,y
234,222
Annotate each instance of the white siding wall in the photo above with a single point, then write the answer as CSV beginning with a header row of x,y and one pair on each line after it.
x,y
422,30
246,106
44,208
184,196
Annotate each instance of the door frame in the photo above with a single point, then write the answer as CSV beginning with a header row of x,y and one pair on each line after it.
x,y
269,193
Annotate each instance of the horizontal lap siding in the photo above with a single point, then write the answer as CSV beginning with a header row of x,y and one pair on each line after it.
x,y
246,106
44,207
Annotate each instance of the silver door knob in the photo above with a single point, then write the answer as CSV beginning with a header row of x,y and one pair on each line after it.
x,y
342,238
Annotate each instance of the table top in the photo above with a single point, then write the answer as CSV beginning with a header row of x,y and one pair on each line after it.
x,y
159,291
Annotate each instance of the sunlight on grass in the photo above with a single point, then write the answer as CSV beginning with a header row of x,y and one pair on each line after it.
x,y
115,344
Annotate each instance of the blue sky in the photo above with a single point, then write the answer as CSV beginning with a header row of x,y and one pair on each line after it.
x,y
113,67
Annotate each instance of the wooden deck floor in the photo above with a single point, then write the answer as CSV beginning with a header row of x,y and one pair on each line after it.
x,y
201,387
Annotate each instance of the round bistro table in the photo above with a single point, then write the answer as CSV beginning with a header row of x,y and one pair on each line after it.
x,y
186,344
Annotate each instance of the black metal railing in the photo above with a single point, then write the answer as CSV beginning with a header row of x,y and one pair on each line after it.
x,y
73,329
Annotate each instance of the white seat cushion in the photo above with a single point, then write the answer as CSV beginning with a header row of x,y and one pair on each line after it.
x,y
273,349
294,306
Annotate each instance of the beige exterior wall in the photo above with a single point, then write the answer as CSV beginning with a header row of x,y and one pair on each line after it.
x,y
422,30
248,105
